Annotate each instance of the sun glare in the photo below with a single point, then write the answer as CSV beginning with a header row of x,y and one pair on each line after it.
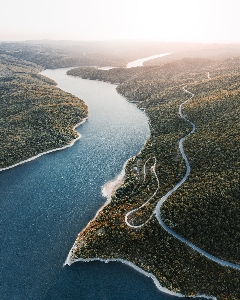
x,y
172,20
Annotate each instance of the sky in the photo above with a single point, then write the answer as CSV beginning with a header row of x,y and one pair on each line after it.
x,y
207,21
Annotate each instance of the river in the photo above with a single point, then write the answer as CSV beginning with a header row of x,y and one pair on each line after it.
x,y
139,62
46,202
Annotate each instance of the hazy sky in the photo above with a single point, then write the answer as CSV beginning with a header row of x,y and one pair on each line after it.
x,y
165,20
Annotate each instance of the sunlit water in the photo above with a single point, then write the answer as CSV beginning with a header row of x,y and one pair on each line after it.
x,y
46,202
139,62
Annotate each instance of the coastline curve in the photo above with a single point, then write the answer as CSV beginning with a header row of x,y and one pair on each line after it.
x,y
49,151
161,288
70,260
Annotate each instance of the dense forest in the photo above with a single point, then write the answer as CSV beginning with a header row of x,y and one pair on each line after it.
x,y
35,116
206,208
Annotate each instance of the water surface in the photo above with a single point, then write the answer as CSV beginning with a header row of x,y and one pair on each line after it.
x,y
139,62
46,202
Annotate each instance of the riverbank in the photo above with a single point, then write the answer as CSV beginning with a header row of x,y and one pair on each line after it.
x,y
107,237
49,151
45,202
108,191
110,187
35,115
132,265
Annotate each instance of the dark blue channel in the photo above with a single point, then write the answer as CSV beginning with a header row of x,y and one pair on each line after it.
x,y
46,202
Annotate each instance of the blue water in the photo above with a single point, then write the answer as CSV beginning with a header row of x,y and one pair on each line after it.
x,y
46,202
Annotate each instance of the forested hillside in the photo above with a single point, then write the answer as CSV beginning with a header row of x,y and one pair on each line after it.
x,y
115,76
35,116
206,208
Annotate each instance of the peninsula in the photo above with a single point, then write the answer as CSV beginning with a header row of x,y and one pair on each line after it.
x,y
204,210
36,116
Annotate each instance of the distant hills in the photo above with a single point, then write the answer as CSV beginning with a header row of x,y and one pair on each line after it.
x,y
57,54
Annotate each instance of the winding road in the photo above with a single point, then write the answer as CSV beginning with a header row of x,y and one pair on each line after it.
x,y
157,210
136,209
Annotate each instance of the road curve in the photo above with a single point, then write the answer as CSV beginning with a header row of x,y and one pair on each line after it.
x,y
157,210
153,195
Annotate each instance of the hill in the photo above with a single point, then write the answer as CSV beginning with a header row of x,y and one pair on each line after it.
x,y
35,116
205,209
